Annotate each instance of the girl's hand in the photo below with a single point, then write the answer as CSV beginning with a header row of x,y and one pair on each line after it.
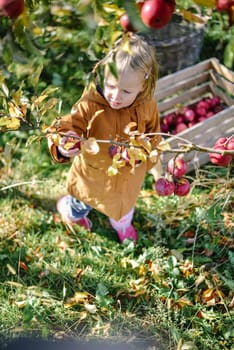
x,y
69,146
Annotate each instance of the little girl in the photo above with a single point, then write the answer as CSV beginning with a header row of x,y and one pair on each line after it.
x,y
123,98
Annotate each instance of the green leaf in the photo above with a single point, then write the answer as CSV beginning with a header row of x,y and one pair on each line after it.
x,y
101,290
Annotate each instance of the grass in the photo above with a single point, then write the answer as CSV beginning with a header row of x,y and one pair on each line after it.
x,y
173,290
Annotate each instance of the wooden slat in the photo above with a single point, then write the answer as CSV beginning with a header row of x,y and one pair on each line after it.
x,y
224,97
174,78
222,83
184,98
181,85
222,70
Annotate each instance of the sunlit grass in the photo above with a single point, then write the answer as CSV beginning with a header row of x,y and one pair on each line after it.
x,y
174,288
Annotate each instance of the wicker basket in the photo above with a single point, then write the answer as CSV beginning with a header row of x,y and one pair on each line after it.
x,y
177,45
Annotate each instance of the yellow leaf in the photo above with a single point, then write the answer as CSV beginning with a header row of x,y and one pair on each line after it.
x,y
79,298
112,8
206,3
91,308
37,31
83,315
20,304
90,146
15,110
112,171
188,345
164,146
153,156
9,123
127,129
55,138
62,11
15,284
5,89
184,302
126,46
115,35
199,280
11,269
191,17
145,143
38,100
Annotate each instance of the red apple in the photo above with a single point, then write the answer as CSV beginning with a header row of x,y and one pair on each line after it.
x,y
215,101
164,187
200,111
180,127
189,115
177,167
164,128
230,144
201,119
218,158
169,119
218,109
223,5
157,13
179,118
182,187
126,24
221,141
203,104
11,8
191,124
210,114
113,150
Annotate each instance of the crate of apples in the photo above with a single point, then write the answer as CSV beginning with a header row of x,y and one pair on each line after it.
x,y
188,116
196,107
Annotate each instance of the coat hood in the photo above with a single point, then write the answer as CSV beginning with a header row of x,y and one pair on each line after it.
x,y
94,94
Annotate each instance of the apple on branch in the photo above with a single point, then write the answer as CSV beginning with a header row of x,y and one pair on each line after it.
x,y
126,23
164,187
11,8
177,167
157,13
222,144
182,187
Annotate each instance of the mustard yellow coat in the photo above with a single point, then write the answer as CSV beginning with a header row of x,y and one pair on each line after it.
x,y
87,179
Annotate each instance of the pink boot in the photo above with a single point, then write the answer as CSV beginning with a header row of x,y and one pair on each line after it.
x,y
124,227
127,233
64,212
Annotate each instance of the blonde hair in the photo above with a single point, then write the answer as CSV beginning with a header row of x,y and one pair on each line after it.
x,y
131,51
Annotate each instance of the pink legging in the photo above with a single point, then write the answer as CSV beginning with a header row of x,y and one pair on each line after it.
x,y
124,222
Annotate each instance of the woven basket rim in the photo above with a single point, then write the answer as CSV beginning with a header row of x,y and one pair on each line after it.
x,y
176,41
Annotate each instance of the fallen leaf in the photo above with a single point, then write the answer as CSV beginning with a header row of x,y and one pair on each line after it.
x,y
91,308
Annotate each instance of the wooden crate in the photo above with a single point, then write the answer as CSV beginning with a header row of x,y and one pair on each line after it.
x,y
207,78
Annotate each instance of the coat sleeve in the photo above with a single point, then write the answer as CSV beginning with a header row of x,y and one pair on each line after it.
x,y
153,126
76,121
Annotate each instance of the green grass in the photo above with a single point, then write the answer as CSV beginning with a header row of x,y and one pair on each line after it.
x,y
173,290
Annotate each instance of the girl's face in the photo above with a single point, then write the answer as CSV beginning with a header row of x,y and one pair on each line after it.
x,y
123,91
